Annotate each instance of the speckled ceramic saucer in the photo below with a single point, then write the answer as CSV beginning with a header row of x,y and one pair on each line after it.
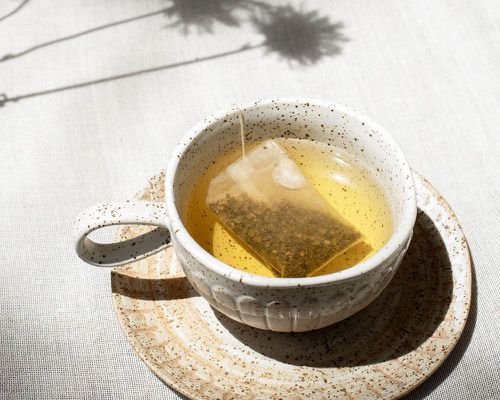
x,y
384,351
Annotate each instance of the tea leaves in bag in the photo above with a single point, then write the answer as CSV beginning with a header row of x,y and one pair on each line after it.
x,y
268,204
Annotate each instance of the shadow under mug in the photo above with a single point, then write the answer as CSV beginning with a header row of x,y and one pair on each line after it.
x,y
278,304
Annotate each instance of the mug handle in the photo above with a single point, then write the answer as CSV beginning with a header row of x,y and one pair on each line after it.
x,y
123,213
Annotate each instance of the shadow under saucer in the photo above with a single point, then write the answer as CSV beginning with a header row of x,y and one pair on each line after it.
x,y
409,311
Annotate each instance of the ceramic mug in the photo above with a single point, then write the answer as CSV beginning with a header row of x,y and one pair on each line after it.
x,y
278,304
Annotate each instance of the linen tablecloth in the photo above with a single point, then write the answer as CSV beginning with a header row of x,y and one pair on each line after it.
x,y
96,93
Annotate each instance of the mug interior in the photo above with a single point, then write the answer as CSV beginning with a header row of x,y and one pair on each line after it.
x,y
368,143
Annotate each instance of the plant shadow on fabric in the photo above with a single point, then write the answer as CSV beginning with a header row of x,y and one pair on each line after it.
x,y
295,35
298,35
18,8
12,56
203,14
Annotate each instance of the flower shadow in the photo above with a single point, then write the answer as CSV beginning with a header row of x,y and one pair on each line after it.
x,y
203,14
299,35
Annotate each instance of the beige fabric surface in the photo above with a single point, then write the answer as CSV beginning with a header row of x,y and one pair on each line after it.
x,y
98,113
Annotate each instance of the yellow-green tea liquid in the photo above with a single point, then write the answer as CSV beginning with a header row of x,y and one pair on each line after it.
x,y
350,189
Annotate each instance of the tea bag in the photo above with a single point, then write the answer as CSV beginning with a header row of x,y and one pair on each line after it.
x,y
268,204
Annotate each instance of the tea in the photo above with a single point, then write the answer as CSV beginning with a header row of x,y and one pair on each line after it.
x,y
345,185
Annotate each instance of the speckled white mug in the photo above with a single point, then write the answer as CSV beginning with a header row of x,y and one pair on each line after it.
x,y
279,304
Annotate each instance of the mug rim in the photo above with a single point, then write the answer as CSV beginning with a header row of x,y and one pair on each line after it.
x,y
177,229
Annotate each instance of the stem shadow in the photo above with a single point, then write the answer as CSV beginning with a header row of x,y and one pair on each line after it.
x,y
15,10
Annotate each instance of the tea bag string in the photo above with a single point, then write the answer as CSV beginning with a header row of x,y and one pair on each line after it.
x,y
242,132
